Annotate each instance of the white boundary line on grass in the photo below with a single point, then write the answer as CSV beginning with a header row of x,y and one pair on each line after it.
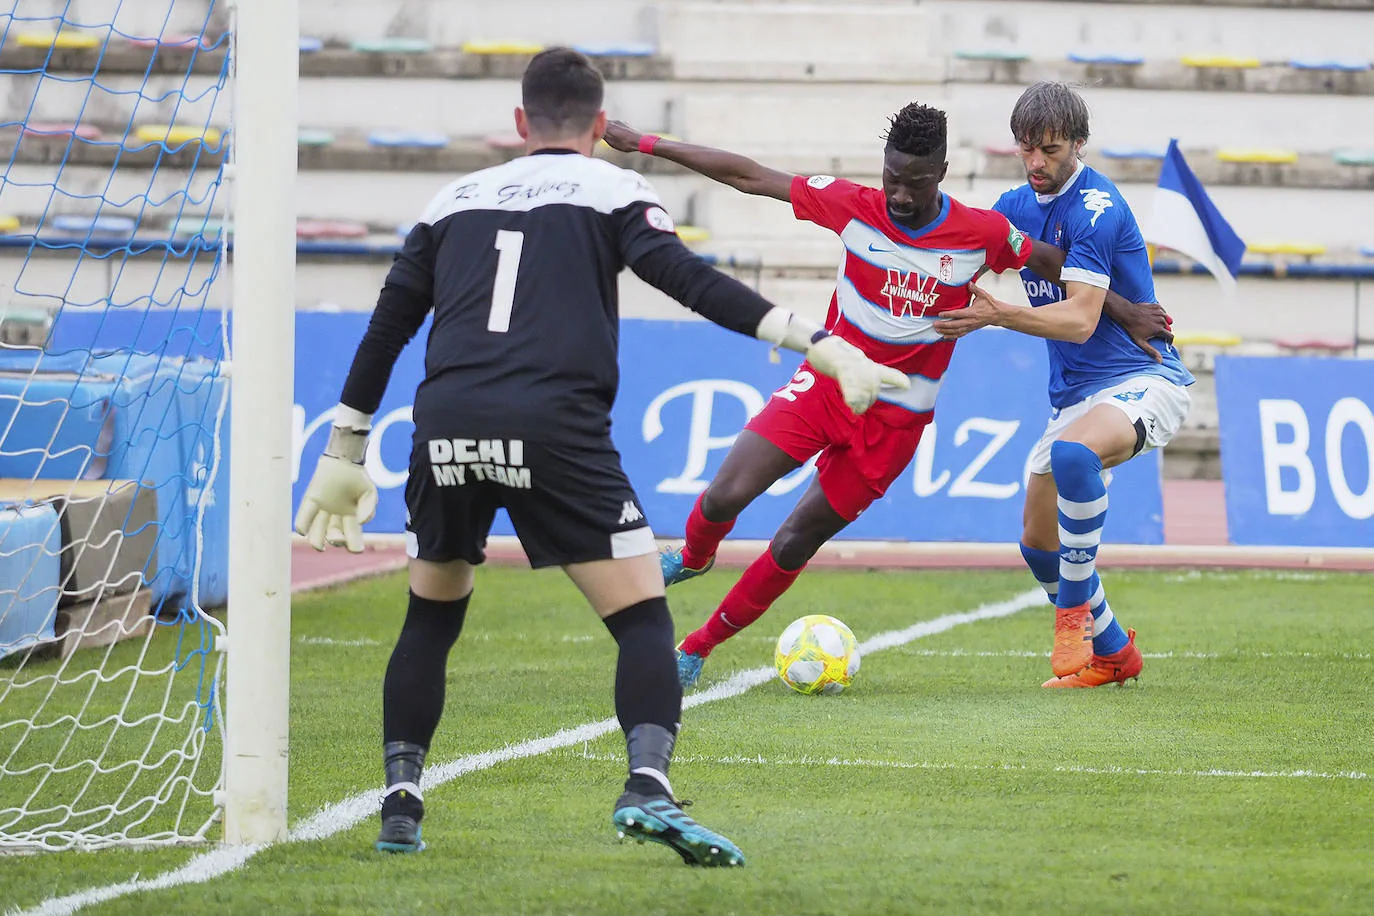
x,y
996,767
354,810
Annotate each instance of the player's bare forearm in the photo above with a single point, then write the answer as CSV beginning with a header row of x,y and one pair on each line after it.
x,y
1143,321
739,172
1073,319
1046,260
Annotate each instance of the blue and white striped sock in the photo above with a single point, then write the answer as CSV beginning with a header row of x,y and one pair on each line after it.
x,y
1082,512
1044,565
1108,636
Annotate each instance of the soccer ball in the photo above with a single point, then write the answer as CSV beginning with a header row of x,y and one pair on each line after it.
x,y
817,654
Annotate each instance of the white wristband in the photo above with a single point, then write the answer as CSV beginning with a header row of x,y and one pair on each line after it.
x,y
351,418
782,328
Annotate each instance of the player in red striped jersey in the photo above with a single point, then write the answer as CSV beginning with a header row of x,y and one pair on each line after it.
x,y
910,253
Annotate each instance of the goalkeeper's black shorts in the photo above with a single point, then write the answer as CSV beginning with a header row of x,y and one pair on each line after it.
x,y
570,501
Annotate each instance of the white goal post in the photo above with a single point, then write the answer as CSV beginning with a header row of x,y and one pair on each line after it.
x,y
266,65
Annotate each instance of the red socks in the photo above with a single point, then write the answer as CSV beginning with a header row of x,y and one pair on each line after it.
x,y
762,584
703,537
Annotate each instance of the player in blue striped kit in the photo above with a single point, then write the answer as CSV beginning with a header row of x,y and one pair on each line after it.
x,y
1111,400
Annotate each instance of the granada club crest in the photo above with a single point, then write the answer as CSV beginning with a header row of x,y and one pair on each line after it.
x,y
946,268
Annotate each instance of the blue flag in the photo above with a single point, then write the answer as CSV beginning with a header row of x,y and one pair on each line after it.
x,y
1186,220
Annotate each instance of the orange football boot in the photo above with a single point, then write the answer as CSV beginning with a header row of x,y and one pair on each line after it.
x,y
1073,640
1117,668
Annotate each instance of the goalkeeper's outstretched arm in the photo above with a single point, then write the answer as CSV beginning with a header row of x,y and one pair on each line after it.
x,y
341,496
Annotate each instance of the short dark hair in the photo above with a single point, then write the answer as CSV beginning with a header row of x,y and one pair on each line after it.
x,y
918,130
1049,107
561,92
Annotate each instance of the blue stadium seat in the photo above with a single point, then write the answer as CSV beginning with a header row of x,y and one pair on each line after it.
x,y
311,45
95,225
1095,57
1345,66
625,49
407,138
1132,152
1367,251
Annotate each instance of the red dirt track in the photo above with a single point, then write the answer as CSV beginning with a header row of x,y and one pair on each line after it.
x,y
1194,536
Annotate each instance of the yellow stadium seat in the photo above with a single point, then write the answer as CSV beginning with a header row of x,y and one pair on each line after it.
x,y
9,224
1220,60
502,47
1269,156
176,136
1302,249
65,40
1206,339
691,234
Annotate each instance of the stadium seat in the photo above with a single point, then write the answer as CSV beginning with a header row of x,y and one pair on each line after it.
x,y
406,138
1298,249
173,40
691,234
1266,156
392,45
1220,61
191,224
616,50
311,45
8,224
1221,339
177,136
1104,58
54,129
66,39
95,225
512,48
1132,152
309,137
999,149
994,54
1367,251
1343,66
1315,345
1354,156
330,229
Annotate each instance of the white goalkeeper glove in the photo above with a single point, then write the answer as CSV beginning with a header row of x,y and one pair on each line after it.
x,y
341,496
860,379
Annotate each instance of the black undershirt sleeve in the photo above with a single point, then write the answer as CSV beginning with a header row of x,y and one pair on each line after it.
x,y
675,270
405,300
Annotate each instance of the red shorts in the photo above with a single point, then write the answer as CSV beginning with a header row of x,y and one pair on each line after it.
x,y
860,456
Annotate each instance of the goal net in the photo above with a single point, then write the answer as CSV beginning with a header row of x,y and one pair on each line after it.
x,y
113,420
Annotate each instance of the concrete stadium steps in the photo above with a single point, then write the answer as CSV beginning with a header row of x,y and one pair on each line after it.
x,y
1050,30
1171,75
741,62
1338,219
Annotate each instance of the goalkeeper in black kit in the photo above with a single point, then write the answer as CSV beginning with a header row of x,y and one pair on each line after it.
x,y
519,264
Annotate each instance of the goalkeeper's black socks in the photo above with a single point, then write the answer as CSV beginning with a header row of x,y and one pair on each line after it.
x,y
413,691
648,696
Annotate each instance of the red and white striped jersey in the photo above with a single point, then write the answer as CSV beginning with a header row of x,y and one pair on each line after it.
x,y
894,281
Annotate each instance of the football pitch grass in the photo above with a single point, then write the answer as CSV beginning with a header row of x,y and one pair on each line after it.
x,y
1236,775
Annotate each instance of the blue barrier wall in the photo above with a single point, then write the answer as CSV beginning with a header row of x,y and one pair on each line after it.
x,y
1297,450
687,389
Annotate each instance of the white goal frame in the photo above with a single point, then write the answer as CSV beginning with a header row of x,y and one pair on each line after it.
x,y
262,178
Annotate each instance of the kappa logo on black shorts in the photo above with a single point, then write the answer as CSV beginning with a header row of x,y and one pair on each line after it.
x,y
456,461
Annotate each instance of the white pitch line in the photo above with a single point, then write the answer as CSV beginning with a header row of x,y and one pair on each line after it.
x,y
328,641
352,811
807,761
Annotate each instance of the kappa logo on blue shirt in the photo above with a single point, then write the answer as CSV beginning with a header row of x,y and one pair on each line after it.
x,y
1128,396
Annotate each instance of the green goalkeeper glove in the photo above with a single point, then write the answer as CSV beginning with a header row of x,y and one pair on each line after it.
x,y
341,496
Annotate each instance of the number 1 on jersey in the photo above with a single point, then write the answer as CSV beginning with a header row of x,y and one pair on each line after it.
x,y
509,244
